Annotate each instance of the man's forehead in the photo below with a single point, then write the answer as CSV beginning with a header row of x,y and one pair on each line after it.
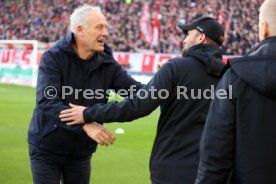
x,y
97,15
192,31
98,18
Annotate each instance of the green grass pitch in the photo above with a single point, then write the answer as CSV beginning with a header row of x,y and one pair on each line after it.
x,y
126,162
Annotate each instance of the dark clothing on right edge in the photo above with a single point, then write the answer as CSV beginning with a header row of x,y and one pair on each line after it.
x,y
174,157
240,133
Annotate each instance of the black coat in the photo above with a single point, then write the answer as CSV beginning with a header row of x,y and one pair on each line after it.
x,y
240,133
60,66
174,157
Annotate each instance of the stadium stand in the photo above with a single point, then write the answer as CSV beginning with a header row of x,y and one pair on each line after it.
x,y
47,21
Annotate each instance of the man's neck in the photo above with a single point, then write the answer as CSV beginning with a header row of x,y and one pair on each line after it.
x,y
82,52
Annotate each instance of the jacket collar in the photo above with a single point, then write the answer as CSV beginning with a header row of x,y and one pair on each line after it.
x,y
264,48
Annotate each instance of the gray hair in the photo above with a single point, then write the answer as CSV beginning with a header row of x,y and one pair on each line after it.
x,y
268,14
80,15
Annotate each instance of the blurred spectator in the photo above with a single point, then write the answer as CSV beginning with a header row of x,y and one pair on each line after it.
x,y
47,21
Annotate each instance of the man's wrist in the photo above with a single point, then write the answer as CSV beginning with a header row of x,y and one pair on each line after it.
x,y
85,127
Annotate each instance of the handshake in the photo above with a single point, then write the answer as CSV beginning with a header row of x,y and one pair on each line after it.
x,y
95,131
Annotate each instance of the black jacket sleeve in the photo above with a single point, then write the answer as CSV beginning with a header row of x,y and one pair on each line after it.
x,y
141,104
49,99
217,141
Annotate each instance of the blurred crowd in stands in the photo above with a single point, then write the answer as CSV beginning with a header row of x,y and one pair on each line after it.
x,y
48,21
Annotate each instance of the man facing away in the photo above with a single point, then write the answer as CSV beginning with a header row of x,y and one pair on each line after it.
x,y
174,157
238,142
76,63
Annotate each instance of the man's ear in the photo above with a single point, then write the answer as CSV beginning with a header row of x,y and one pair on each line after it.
x,y
264,30
202,38
79,30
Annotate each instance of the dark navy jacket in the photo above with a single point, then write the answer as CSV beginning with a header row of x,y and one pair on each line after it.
x,y
61,66
240,132
175,152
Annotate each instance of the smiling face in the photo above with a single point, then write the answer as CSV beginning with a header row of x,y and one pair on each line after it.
x,y
90,37
95,33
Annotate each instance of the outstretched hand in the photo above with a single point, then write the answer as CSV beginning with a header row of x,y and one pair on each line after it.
x,y
72,116
99,134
